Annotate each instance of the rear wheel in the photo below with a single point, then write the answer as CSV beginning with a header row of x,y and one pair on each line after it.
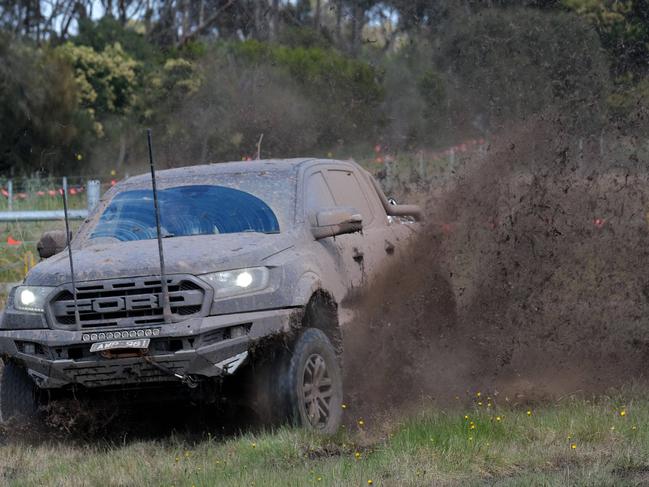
x,y
18,393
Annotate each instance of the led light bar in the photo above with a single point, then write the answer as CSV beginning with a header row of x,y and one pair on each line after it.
x,y
120,335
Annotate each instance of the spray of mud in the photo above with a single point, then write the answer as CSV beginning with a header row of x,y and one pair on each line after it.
x,y
529,278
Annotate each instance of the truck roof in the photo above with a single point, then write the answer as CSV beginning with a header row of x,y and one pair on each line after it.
x,y
214,169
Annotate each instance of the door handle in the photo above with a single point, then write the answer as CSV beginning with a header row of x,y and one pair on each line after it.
x,y
358,255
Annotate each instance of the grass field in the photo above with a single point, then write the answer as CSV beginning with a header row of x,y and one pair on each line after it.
x,y
574,441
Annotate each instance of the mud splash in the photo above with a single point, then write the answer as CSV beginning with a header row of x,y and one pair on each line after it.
x,y
529,278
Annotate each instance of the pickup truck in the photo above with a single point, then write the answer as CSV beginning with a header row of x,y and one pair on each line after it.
x,y
260,258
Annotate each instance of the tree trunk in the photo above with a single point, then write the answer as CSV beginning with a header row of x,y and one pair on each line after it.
x,y
339,22
316,16
185,17
257,20
274,26
122,11
358,21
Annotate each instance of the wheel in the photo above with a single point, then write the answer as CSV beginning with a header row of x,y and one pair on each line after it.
x,y
18,393
300,383
315,388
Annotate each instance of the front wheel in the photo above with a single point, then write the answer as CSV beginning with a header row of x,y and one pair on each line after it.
x,y
18,393
315,388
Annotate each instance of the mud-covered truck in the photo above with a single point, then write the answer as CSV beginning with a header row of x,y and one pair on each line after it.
x,y
258,256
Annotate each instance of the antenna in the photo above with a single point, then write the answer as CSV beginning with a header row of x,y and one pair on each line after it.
x,y
166,308
64,192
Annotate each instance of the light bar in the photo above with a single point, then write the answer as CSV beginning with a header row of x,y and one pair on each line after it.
x,y
117,335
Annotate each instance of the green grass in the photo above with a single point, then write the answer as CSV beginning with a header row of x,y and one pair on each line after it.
x,y
437,447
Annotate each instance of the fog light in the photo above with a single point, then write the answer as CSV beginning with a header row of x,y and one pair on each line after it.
x,y
148,332
30,349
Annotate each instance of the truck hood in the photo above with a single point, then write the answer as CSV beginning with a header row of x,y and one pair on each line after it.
x,y
183,255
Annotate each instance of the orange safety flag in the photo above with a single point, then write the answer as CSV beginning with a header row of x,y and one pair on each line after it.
x,y
12,241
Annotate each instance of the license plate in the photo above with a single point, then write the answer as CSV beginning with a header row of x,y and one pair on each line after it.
x,y
120,344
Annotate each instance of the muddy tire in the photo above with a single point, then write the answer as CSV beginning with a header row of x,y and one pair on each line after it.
x,y
298,383
315,386
18,394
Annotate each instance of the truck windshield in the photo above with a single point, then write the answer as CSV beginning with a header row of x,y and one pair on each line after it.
x,y
184,211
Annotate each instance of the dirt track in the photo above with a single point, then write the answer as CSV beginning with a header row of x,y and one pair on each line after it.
x,y
529,278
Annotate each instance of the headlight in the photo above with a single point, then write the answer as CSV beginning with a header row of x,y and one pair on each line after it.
x,y
31,298
240,281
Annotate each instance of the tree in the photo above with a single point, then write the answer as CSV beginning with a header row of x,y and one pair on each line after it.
x,y
107,80
40,124
623,27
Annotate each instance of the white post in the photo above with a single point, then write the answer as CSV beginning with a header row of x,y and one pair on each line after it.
x,y
10,194
93,190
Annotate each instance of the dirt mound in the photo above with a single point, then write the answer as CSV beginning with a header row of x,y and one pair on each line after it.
x,y
530,277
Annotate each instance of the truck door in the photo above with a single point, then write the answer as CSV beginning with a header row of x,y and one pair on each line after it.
x,y
369,250
318,196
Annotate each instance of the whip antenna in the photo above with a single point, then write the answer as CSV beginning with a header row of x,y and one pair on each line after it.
x,y
64,192
166,308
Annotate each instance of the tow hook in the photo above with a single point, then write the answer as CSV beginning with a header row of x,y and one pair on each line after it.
x,y
188,380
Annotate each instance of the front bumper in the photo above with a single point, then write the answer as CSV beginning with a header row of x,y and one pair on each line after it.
x,y
195,347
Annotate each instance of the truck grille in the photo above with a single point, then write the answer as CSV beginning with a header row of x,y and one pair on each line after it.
x,y
126,302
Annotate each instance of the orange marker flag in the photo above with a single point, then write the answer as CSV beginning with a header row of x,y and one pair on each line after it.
x,y
12,241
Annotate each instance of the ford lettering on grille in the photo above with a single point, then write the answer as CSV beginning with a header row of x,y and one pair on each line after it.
x,y
107,305
125,302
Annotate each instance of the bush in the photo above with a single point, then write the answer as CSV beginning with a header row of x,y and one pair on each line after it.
x,y
40,124
509,64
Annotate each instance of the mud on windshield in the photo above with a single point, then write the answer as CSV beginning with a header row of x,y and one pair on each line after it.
x,y
189,210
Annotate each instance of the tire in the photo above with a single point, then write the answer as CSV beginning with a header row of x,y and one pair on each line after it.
x,y
18,393
315,386
277,379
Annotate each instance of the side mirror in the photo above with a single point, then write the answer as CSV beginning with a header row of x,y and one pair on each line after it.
x,y
51,243
336,221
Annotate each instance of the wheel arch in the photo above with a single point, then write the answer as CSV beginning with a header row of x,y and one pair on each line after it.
x,y
321,312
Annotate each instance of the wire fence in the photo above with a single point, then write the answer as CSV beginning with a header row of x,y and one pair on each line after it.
x,y
45,193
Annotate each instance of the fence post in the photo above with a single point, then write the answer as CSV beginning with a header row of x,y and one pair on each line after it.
x,y
93,190
10,194
422,168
